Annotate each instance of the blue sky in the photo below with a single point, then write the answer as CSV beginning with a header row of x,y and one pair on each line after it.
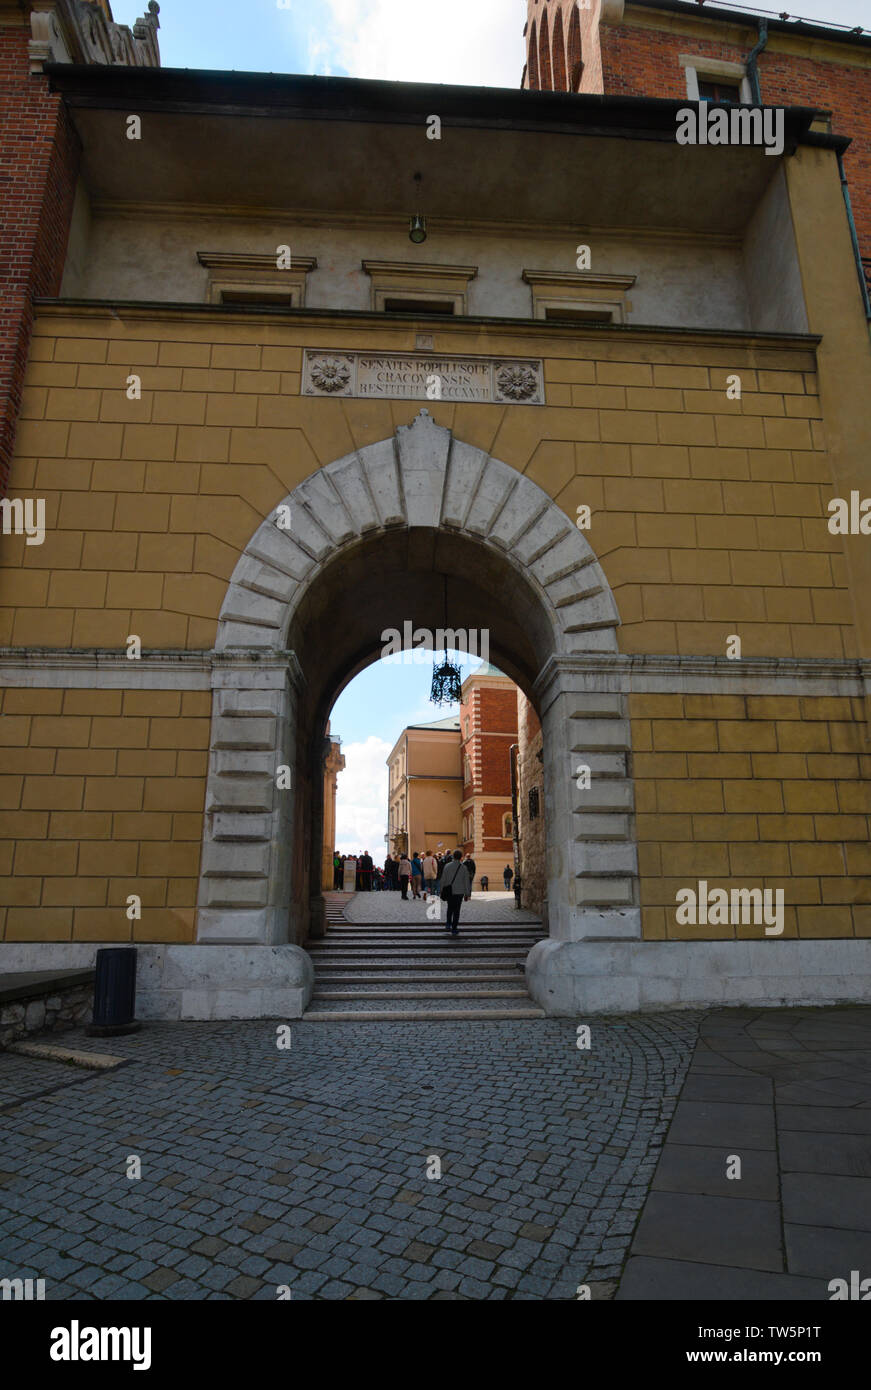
x,y
411,40
369,716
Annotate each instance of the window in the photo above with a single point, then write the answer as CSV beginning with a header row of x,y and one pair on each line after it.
x,y
466,725
710,79
238,278
720,93
579,296
417,287
566,313
419,306
264,296
533,803
467,771
507,827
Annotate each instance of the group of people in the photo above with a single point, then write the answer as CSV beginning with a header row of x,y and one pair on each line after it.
x,y
423,873
427,875
420,872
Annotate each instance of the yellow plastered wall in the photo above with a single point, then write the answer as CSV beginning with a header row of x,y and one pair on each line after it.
x,y
709,515
101,796
753,792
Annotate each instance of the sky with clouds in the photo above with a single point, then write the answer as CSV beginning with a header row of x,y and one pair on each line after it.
x,y
399,40
369,716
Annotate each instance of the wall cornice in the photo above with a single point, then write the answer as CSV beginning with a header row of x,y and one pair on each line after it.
x,y
329,318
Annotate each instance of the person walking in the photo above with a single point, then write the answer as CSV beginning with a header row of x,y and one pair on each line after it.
x,y
457,885
430,874
507,876
440,864
416,873
338,871
404,875
472,868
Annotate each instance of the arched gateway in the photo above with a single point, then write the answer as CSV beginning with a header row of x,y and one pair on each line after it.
x,y
373,540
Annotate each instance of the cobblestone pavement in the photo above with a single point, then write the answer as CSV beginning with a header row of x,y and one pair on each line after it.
x,y
308,1167
384,908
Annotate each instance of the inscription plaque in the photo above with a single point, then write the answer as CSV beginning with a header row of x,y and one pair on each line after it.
x,y
417,377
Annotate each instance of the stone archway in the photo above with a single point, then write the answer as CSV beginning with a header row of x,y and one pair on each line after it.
x,y
412,505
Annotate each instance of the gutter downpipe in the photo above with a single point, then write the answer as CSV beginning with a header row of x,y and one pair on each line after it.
x,y
845,189
756,93
752,65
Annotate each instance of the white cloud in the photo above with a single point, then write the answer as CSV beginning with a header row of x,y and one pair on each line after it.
x,y
454,41
361,799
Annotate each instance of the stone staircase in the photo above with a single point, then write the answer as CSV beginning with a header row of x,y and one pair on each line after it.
x,y
403,971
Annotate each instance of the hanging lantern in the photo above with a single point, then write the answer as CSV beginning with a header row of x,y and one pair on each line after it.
x,y
447,681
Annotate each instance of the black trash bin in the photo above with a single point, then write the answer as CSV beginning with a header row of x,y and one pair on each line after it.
x,y
517,887
114,992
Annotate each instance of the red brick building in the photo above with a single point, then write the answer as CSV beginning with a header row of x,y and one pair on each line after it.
x,y
680,49
488,730
39,162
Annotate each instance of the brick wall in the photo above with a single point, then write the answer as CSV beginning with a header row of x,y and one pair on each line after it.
x,y
554,44
644,62
39,157
101,795
743,792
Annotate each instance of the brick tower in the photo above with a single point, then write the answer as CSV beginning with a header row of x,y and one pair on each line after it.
x,y
553,35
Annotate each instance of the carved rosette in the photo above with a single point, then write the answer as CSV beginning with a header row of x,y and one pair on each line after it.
x,y
517,382
330,374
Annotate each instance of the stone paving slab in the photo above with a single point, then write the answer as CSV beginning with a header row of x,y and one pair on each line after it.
x,y
716,1230
386,908
308,1167
800,1213
695,1168
686,1281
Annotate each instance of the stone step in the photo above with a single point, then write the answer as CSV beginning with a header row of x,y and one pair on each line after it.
x,y
419,1015
435,977
403,967
431,924
415,956
321,944
321,994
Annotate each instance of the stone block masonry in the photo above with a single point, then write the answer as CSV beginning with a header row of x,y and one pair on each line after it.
x,y
754,791
44,1002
